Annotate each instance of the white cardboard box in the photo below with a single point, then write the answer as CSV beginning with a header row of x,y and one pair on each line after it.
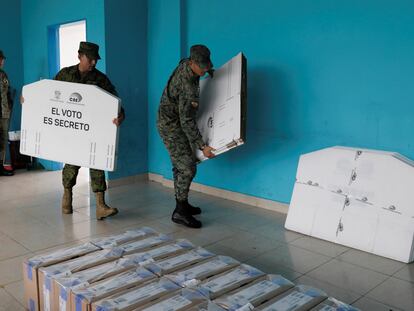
x,y
137,296
82,298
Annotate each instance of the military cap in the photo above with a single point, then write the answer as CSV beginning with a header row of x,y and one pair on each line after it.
x,y
201,55
90,49
2,56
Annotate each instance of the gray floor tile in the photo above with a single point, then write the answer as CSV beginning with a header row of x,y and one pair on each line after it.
x,y
32,221
9,303
367,304
10,248
278,232
38,236
320,246
249,244
371,261
267,265
218,249
210,232
348,276
406,273
332,290
11,270
295,258
395,292
16,290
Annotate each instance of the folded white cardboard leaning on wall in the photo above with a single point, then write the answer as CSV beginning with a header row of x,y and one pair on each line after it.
x,y
356,197
70,123
223,100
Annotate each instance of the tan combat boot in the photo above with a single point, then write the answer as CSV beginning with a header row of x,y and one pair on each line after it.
x,y
67,201
103,210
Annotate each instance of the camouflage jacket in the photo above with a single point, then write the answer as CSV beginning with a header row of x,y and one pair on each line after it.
x,y
5,103
94,77
179,105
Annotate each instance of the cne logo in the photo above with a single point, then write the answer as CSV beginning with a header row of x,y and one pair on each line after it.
x,y
57,94
210,122
75,98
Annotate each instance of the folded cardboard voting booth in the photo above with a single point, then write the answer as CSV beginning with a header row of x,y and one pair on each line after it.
x,y
223,103
356,197
70,123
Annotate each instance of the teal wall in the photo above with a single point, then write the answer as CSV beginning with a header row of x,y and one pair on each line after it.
x,y
126,65
320,73
38,15
164,50
11,44
41,15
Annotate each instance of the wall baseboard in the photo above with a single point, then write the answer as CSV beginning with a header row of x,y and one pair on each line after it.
x,y
225,194
126,180
220,193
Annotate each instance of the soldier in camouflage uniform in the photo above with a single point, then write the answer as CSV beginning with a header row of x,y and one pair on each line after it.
x,y
178,128
86,73
5,111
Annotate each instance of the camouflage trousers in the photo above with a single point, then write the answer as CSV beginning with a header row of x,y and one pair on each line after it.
x,y
70,172
183,161
4,133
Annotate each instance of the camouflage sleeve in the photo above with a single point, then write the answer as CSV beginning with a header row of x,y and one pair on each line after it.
x,y
3,89
108,86
187,109
60,76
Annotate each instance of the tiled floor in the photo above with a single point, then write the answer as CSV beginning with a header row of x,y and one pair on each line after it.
x,y
31,222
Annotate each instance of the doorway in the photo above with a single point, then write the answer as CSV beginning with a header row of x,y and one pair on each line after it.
x,y
63,42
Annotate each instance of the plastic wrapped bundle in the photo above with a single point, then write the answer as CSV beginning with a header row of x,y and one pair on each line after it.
x,y
299,298
255,293
228,281
125,237
178,262
192,276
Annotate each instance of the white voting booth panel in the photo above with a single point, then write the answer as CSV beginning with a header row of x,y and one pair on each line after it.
x,y
70,123
356,197
221,116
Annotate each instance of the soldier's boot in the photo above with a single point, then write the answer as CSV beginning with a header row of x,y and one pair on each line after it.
x,y
182,216
103,210
67,201
4,172
193,210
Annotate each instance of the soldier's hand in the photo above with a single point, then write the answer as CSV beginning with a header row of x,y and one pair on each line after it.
x,y
21,99
119,120
208,152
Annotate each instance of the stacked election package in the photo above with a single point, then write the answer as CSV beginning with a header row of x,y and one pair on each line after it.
x,y
142,269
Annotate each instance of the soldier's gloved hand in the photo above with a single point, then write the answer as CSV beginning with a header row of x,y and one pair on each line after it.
x,y
211,73
208,152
